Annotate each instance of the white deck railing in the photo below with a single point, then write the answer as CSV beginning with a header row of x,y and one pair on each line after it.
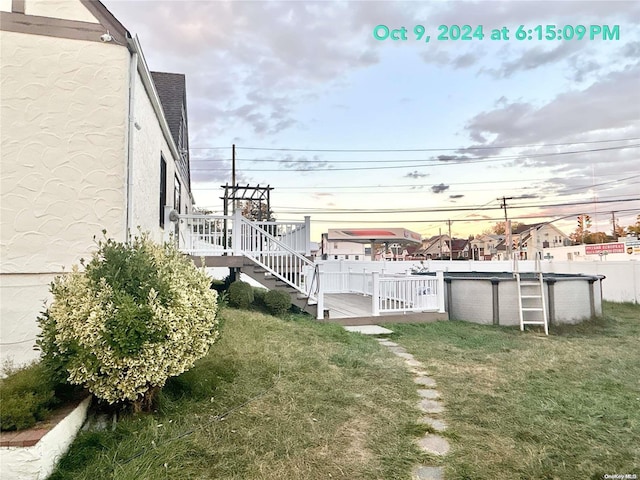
x,y
214,234
205,234
278,247
407,294
389,293
275,256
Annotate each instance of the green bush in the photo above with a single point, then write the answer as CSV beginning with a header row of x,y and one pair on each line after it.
x,y
26,396
258,296
240,294
277,302
138,314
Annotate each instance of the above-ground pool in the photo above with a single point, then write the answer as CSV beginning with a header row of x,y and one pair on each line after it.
x,y
492,297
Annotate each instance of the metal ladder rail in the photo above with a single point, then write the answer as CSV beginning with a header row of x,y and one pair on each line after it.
x,y
542,303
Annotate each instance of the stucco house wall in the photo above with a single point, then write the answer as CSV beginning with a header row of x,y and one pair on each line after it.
x,y
67,134
149,146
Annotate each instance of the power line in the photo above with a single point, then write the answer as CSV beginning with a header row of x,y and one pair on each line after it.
x,y
431,164
426,149
416,185
442,210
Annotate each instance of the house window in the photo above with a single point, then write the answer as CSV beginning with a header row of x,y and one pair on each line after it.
x,y
357,257
335,257
163,188
346,257
177,194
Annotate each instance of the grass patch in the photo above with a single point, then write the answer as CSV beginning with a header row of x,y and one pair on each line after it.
x,y
274,399
523,405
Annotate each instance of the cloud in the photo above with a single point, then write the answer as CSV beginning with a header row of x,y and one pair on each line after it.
x,y
416,174
303,163
439,188
607,109
451,158
239,57
533,58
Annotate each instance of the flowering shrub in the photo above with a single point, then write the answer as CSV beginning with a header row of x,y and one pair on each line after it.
x,y
138,314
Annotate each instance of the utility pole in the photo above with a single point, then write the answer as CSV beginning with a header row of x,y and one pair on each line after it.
x,y
507,227
613,226
450,242
233,175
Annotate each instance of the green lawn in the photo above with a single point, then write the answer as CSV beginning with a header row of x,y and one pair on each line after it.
x,y
322,403
526,406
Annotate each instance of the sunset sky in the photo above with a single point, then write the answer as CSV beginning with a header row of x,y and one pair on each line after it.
x,y
357,131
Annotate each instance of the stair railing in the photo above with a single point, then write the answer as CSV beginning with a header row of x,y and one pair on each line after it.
x,y
274,256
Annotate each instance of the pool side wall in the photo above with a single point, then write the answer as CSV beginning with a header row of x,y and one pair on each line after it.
x,y
473,299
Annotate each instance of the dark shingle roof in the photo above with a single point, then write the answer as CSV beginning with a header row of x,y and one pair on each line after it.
x,y
171,88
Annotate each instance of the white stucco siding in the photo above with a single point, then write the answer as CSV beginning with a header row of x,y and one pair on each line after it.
x,y
63,124
22,298
149,144
62,169
64,9
5,5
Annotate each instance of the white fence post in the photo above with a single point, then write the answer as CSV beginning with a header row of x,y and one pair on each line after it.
x,y
307,235
375,298
440,290
236,232
320,298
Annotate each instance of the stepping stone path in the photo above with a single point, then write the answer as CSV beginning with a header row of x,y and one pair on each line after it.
x,y
431,443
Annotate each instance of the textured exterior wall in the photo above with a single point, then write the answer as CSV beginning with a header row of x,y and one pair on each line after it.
x,y
62,171
64,107
65,9
148,144
22,297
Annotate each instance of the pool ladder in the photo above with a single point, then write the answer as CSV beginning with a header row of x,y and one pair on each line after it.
x,y
531,303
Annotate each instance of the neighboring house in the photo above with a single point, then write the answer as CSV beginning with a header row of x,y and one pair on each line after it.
x,y
436,247
484,247
90,140
529,240
341,250
460,248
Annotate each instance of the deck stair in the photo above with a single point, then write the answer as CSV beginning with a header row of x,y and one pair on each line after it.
x,y
531,301
272,253
272,282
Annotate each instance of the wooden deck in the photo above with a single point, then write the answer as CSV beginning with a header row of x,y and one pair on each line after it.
x,y
356,309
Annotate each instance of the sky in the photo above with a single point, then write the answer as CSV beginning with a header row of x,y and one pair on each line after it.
x,y
357,129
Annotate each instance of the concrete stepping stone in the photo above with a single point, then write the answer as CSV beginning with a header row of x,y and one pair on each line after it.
x,y
405,355
428,473
437,425
397,349
428,393
434,444
431,406
369,330
426,381
387,343
413,363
